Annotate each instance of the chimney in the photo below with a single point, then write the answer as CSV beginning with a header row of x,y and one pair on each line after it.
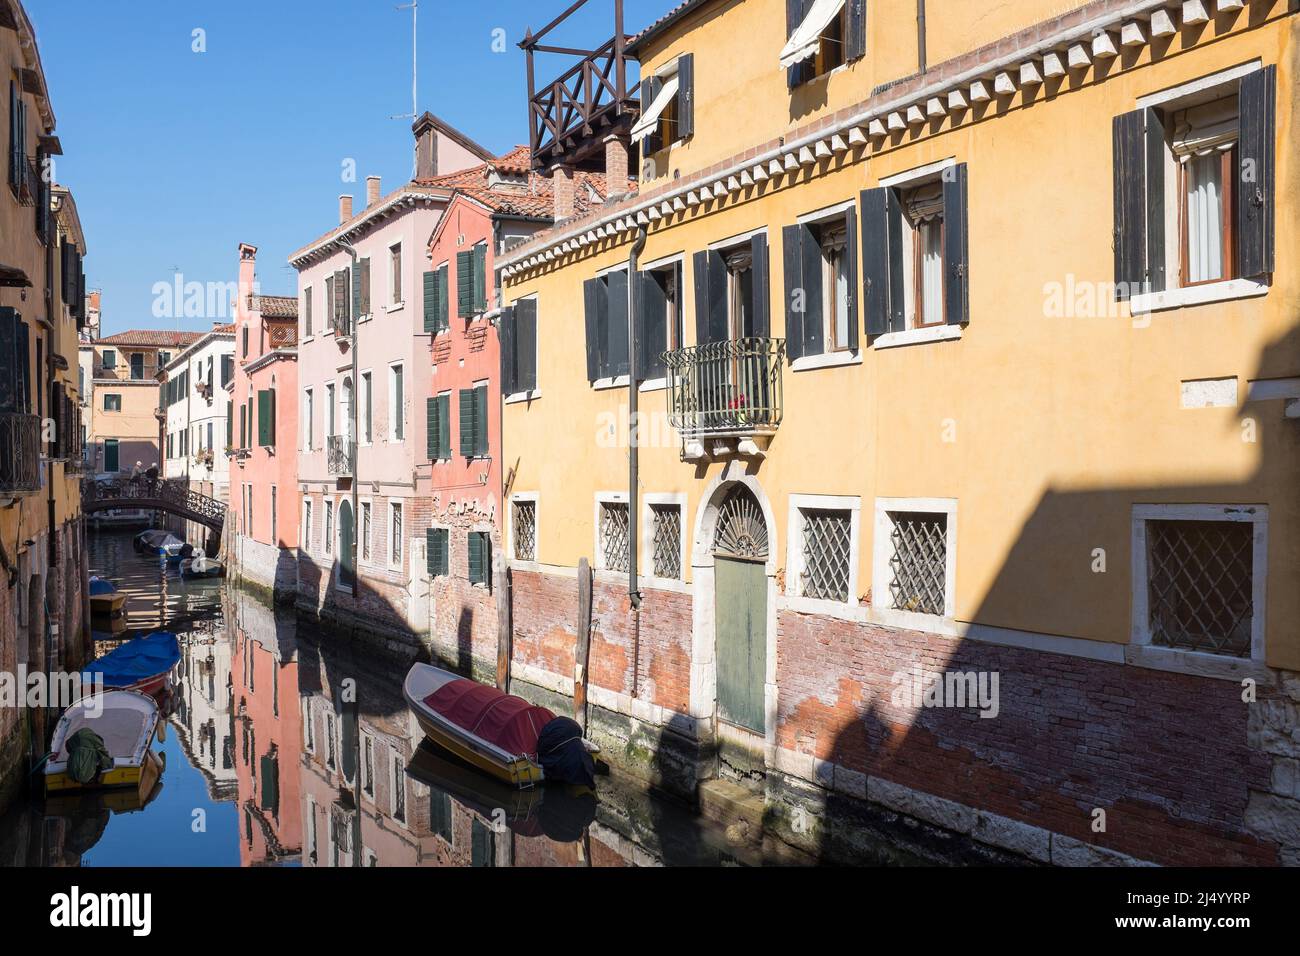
x,y
247,276
426,147
372,190
563,187
345,209
616,167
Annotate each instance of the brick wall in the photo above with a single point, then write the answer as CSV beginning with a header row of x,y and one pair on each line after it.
x,y
464,615
1165,755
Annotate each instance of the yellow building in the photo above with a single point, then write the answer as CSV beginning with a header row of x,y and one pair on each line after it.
x,y
42,557
968,362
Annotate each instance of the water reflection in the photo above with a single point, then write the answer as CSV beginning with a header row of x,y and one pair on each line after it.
x,y
288,748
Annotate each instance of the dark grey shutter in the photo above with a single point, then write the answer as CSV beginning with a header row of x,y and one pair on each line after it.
x,y
652,327
464,284
444,425
432,429
650,87
792,256
593,296
851,258
700,272
431,301
474,543
956,269
506,346
685,95
814,325
1155,186
1129,235
365,287
855,38
616,334
480,277
760,325
710,297
882,263
431,552
9,401
801,72
481,421
524,344
443,315
1255,179
467,406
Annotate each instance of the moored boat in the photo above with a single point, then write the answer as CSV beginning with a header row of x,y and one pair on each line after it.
x,y
103,741
517,742
201,566
106,600
142,664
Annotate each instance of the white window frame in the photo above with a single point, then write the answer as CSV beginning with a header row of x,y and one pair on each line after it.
x,y
365,539
305,531
534,498
396,283
308,728
388,544
605,498
1183,659
799,503
330,529
393,414
309,415
882,603
308,294
648,500
399,785
365,405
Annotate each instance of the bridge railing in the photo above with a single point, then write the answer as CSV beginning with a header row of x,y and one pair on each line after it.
x,y
173,495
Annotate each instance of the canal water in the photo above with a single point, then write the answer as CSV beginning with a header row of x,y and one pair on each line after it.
x,y
269,762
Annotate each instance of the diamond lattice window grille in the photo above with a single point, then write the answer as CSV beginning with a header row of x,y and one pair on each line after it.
x,y
613,535
525,530
667,540
826,555
1200,580
918,563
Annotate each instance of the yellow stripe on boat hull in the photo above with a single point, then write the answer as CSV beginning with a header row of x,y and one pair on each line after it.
x,y
517,773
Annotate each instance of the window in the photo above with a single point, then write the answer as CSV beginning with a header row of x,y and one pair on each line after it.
x,y
914,253
363,267
440,821
471,281
605,313
329,527
306,312
666,539
523,530
244,340
395,534
396,403
367,407
1199,578
438,547
329,410
365,530
308,415
399,786
518,332
306,525
731,291
395,274
482,844
474,422
368,766
823,35
165,359
824,573
821,285
1194,185
915,555
479,544
668,98
436,307
331,302
612,535
108,359
438,426
137,366
660,309
112,402
329,734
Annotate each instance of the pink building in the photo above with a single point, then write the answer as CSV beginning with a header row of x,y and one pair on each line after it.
x,y
262,436
492,206
364,476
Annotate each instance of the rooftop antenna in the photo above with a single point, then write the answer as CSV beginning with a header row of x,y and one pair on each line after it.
x,y
414,7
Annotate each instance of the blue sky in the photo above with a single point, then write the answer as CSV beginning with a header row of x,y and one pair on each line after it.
x,y
175,157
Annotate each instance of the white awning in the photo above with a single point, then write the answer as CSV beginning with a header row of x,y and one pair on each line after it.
x,y
803,42
650,118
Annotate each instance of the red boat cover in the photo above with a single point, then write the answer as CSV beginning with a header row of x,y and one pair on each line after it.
x,y
505,720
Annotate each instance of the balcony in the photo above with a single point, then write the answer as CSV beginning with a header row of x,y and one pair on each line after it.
x,y
23,179
570,118
20,453
282,335
340,455
729,389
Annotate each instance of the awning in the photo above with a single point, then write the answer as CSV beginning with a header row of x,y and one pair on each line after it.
x,y
803,42
650,118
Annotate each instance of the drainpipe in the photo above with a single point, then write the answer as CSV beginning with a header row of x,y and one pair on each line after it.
x,y
633,436
920,36
356,459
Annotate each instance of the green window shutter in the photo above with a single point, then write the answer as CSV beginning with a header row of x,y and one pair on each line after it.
x,y
356,291
431,302
481,421
476,557
230,424
365,287
444,426
444,308
444,551
480,277
431,551
433,430
266,418
467,430
243,425
464,284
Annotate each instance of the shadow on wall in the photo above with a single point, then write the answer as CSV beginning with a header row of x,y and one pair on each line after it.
x,y
1164,761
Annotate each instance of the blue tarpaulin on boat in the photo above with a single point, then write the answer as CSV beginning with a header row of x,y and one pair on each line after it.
x,y
136,660
101,586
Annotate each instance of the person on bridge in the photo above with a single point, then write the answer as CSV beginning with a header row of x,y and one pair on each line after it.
x,y
152,475
135,473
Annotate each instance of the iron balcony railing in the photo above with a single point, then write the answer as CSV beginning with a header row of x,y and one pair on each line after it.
x,y
340,455
20,453
726,389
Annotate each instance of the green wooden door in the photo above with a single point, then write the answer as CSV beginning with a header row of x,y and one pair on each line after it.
x,y
110,454
740,588
347,571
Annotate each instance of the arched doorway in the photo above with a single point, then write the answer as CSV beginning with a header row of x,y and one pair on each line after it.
x,y
740,556
347,567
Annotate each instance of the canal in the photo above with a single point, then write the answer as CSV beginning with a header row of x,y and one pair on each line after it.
x,y
288,747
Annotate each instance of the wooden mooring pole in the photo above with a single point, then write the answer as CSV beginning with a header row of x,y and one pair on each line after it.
x,y
583,648
505,626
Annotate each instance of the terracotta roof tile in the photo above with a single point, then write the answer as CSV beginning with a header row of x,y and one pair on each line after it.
x,y
277,306
152,338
